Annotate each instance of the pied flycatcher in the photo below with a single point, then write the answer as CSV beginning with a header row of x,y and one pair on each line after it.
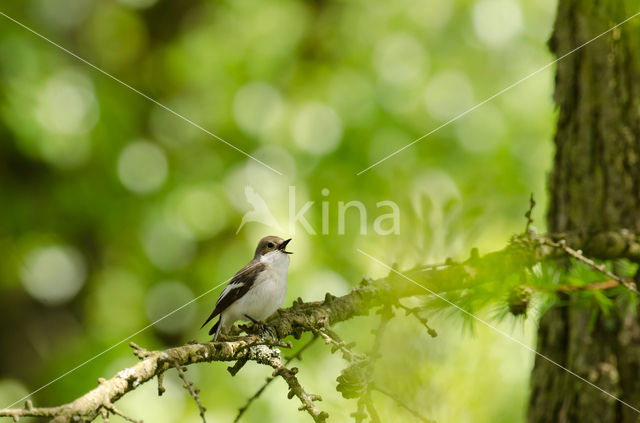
x,y
257,290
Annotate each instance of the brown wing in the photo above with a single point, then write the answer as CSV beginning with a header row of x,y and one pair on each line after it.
x,y
237,287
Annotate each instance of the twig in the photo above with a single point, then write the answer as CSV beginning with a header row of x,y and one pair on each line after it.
x,y
270,379
360,414
330,337
386,314
139,351
595,286
113,410
233,370
16,413
365,401
355,379
415,312
161,389
371,409
532,204
192,391
401,404
577,254
295,389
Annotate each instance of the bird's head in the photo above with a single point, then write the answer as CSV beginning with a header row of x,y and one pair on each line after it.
x,y
269,244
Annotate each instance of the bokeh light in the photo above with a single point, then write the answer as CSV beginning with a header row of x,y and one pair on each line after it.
x,y
257,106
67,105
53,274
142,167
357,107
163,299
448,94
198,210
432,14
168,246
316,128
496,22
400,59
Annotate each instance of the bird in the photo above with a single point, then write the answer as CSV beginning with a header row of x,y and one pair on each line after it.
x,y
257,290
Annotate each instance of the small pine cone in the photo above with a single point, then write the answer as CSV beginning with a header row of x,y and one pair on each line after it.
x,y
353,381
519,300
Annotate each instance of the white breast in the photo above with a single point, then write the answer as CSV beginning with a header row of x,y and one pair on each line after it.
x,y
267,294
277,261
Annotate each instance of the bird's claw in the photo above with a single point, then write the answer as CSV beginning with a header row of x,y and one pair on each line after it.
x,y
264,331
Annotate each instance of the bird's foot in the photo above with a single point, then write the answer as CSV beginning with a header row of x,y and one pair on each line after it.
x,y
266,332
263,331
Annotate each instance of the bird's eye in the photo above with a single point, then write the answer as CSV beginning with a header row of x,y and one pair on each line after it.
x,y
271,245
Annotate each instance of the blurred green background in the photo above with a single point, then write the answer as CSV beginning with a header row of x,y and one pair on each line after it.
x,y
115,211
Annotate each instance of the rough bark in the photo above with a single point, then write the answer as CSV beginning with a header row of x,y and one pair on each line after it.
x,y
594,186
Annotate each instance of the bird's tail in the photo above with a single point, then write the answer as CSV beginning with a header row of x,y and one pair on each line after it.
x,y
216,329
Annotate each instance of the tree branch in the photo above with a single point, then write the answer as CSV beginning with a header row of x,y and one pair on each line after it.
x,y
523,251
88,407
295,389
194,392
577,254
297,355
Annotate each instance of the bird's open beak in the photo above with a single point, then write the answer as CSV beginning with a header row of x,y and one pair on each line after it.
x,y
282,246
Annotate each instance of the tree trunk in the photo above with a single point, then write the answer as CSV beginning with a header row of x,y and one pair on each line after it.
x,y
595,185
